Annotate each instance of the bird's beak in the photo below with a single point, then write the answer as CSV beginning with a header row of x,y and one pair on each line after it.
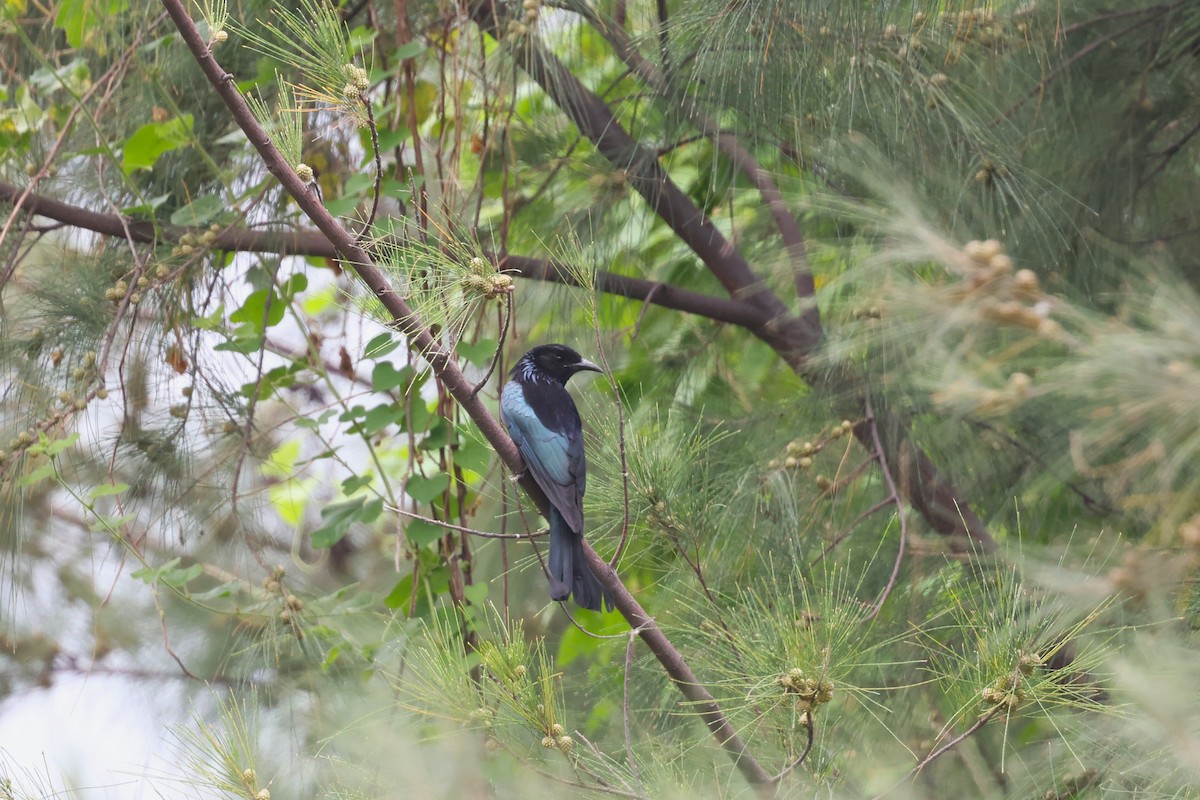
x,y
584,364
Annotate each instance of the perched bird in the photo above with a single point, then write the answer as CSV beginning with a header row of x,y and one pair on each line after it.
x,y
542,419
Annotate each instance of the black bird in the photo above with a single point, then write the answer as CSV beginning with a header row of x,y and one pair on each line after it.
x,y
542,419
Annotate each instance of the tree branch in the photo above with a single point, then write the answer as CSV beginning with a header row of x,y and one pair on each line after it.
x,y
793,338
422,342
735,312
316,244
785,220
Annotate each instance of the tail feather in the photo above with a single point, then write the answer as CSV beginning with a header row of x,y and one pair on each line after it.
x,y
570,570
562,556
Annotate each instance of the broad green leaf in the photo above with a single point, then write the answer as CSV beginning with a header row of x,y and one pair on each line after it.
x,y
107,489
380,417
476,593
478,353
149,575
337,518
355,482
44,472
322,301
78,19
59,445
472,454
408,50
180,577
385,377
255,309
422,533
437,436
200,211
380,346
290,498
153,139
147,208
423,489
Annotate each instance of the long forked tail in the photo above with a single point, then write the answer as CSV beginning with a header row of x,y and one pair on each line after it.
x,y
569,568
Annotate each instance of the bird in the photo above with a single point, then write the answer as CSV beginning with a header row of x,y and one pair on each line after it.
x,y
544,423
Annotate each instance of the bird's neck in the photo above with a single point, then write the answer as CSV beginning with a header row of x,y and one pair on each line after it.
x,y
528,373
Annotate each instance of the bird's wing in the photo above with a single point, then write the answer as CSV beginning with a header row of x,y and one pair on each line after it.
x,y
554,457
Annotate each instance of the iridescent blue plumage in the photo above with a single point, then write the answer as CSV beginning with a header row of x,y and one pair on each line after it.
x,y
542,419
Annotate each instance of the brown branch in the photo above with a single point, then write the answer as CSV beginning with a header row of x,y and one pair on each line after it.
x,y
315,244
760,179
735,312
702,702
460,388
793,338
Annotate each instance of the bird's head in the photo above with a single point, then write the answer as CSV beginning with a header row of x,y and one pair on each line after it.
x,y
555,361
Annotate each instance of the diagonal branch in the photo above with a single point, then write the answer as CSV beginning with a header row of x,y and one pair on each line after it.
x,y
785,220
422,342
793,338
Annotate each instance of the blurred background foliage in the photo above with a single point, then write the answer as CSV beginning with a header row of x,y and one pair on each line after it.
x,y
214,446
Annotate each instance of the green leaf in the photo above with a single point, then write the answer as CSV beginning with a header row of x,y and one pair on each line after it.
x,y
58,445
390,139
200,211
149,575
337,518
380,346
473,455
78,18
153,139
437,437
400,593
476,593
356,482
408,50
422,533
180,577
255,308
478,353
385,377
294,285
380,417
44,472
220,591
107,489
423,489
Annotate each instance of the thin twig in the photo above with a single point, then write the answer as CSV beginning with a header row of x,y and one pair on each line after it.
x,y
487,376
849,529
461,529
808,725
616,390
629,755
894,496
941,751
366,101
